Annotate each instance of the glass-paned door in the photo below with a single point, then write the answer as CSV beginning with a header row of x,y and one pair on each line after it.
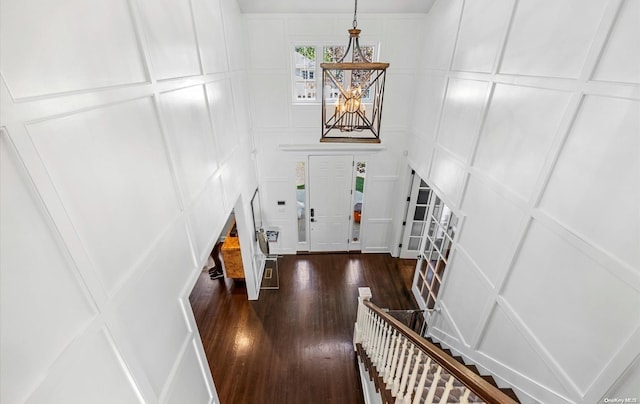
x,y
435,251
416,219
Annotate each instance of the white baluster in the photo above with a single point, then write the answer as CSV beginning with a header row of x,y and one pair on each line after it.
x,y
382,355
423,379
465,397
393,354
447,389
412,380
399,369
434,385
405,373
376,340
367,334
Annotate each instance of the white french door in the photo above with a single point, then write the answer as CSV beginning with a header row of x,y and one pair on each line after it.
x,y
416,219
330,182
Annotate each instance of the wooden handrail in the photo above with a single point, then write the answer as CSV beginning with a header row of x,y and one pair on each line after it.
x,y
474,382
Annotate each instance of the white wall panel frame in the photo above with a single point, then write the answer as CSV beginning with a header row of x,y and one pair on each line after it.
x,y
620,364
85,349
537,345
20,115
56,51
186,62
206,39
92,116
535,392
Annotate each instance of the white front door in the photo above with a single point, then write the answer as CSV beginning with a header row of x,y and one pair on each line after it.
x,y
330,181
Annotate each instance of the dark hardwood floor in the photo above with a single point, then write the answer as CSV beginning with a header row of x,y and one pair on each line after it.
x,y
294,345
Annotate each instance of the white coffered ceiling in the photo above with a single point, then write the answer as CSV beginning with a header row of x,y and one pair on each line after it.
x,y
335,6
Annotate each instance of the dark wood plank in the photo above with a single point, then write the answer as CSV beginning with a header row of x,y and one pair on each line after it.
x,y
295,344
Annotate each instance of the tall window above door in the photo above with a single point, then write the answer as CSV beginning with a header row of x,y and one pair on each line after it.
x,y
306,75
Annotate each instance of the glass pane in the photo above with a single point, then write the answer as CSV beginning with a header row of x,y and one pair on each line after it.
x,y
414,243
433,227
332,54
300,201
358,199
427,245
435,287
444,220
431,302
453,223
423,267
429,274
420,213
305,73
416,228
423,184
438,244
420,282
446,249
437,209
423,197
440,268
425,293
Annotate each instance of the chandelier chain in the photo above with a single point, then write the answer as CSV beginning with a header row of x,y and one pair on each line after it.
x,y
355,13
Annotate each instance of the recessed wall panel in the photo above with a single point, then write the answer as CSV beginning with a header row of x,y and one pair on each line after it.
x,y
48,48
187,123
397,97
594,187
189,380
491,224
448,175
461,116
233,34
210,31
38,278
557,46
377,236
465,294
170,37
150,311
440,34
627,385
94,373
267,47
520,126
223,116
398,31
503,342
571,304
618,63
270,98
111,171
428,101
481,31
207,215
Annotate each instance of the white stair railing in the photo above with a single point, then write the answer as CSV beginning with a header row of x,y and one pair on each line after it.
x,y
401,358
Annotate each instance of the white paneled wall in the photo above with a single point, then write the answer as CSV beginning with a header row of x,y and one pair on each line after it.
x,y
527,122
277,121
124,146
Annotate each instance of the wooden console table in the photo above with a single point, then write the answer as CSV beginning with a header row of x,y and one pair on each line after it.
x,y
232,256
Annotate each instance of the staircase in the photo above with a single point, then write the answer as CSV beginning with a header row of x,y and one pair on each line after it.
x,y
409,369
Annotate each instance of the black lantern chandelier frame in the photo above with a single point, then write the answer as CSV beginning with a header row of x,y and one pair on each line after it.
x,y
358,83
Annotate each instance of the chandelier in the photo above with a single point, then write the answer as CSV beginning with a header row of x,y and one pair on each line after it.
x,y
352,94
